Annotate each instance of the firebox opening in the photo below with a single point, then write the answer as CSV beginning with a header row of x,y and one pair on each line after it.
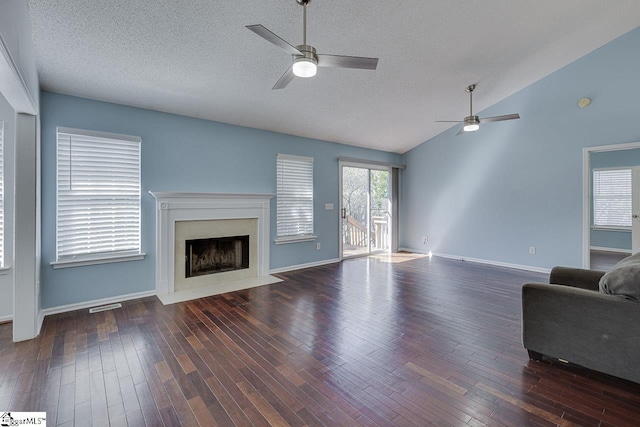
x,y
216,255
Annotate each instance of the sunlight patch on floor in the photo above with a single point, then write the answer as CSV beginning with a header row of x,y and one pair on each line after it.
x,y
399,257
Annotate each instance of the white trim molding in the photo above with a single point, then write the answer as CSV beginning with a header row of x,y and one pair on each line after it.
x,y
93,303
614,250
12,86
385,165
483,261
107,259
294,239
586,197
172,207
306,265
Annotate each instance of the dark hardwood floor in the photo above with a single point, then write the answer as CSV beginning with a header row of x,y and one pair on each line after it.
x,y
400,340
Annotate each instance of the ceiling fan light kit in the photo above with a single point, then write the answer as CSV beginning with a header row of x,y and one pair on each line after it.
x,y
471,124
305,60
305,66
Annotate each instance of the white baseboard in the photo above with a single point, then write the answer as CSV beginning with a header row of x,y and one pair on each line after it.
x,y
40,321
484,261
301,266
95,302
7,318
603,249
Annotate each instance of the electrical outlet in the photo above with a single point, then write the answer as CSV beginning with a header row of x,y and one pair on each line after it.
x,y
318,246
532,250
425,239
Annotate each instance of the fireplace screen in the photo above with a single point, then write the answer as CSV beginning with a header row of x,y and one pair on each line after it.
x,y
215,255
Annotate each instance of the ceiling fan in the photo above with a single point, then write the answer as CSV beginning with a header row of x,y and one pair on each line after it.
x,y
471,122
305,59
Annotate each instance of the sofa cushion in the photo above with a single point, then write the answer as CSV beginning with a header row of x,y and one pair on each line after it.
x,y
623,279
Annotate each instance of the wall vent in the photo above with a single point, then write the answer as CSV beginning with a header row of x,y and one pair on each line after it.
x,y
105,308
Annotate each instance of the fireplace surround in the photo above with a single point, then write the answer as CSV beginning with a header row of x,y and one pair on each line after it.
x,y
182,216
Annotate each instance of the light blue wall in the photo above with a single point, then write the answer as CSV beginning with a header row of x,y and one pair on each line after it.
x,y
612,159
494,193
183,154
611,239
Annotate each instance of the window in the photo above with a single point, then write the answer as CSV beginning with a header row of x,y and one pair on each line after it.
x,y
612,198
1,194
295,199
98,209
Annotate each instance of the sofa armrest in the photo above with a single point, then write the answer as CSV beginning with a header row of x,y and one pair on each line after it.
x,y
576,277
588,328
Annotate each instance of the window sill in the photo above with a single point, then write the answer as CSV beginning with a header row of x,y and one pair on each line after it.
x,y
294,239
4,270
108,259
601,228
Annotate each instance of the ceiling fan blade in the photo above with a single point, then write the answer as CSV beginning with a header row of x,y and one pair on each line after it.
x,y
285,79
499,118
273,38
340,61
448,121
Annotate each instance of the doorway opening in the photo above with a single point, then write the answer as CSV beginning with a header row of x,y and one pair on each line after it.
x,y
604,245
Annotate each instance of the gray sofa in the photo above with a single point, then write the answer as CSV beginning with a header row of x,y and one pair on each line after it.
x,y
570,319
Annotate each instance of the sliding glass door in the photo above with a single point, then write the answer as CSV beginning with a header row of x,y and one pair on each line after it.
x,y
365,210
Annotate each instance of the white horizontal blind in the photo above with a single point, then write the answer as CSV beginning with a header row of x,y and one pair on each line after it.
x,y
1,194
612,198
98,210
295,196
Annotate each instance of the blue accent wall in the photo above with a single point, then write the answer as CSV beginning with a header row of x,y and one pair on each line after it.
x,y
494,193
183,154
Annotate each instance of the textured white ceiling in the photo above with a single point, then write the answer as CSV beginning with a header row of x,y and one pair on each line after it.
x,y
196,58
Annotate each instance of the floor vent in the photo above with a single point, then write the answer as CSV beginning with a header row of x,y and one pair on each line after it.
x,y
105,308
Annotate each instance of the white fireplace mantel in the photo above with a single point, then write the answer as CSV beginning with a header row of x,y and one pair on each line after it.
x,y
181,206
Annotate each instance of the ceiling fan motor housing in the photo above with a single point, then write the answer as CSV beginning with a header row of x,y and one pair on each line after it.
x,y
307,51
471,120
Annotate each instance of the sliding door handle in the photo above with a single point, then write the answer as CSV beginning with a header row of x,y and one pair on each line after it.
x,y
344,213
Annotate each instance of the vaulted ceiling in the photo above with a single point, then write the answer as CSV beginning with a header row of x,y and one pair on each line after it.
x,y
196,58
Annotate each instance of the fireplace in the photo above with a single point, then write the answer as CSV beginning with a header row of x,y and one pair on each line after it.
x,y
182,217
219,252
216,255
